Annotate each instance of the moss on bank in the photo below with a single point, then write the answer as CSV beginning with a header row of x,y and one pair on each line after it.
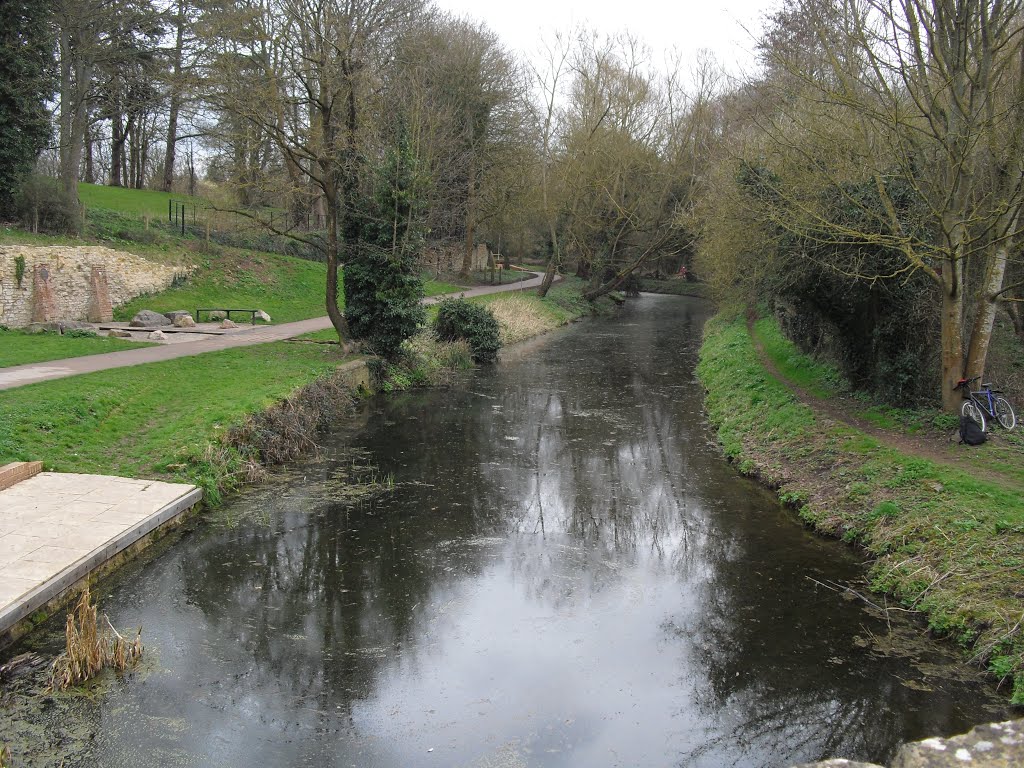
x,y
942,540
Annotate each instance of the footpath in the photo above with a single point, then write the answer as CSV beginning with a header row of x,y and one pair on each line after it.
x,y
21,375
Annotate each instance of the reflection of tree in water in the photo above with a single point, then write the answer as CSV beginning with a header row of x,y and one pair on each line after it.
x,y
607,459
782,675
325,594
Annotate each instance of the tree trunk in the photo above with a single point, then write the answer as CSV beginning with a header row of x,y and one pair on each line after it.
x,y
467,257
90,168
549,277
952,346
75,74
988,299
337,318
1013,309
118,136
167,182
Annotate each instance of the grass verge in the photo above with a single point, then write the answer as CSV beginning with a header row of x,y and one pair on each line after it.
x,y
675,287
158,420
1003,453
19,348
941,540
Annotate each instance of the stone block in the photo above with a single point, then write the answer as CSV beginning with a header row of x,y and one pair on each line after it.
x,y
44,304
43,328
74,325
17,471
993,745
147,318
100,310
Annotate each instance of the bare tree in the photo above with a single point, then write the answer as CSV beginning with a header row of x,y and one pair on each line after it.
x,y
923,100
311,98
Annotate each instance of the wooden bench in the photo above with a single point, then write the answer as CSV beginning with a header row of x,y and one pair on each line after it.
x,y
227,312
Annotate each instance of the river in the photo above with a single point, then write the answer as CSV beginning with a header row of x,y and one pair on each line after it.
x,y
562,571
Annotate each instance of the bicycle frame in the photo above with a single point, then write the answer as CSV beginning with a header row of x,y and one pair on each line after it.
x,y
988,404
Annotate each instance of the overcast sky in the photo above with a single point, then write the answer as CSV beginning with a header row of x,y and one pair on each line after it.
x,y
725,28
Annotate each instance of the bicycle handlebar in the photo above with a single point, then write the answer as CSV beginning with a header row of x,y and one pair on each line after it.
x,y
966,382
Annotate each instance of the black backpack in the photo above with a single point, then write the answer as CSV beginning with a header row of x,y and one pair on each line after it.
x,y
971,431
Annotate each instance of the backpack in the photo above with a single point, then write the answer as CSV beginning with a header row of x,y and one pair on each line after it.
x,y
971,432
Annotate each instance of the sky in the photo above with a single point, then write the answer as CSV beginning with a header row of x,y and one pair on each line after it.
x,y
725,28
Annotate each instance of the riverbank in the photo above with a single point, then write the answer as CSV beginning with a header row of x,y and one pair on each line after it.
x,y
945,539
213,420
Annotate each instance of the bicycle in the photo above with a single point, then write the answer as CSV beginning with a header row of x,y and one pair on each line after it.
x,y
986,402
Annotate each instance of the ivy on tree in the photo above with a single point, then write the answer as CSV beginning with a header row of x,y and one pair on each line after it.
x,y
383,292
26,82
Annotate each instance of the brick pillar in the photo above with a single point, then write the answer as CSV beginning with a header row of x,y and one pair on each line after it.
x,y
100,310
44,305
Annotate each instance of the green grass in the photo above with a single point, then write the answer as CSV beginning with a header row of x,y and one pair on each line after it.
x,y
439,287
134,202
818,378
144,420
944,541
286,288
1004,453
19,348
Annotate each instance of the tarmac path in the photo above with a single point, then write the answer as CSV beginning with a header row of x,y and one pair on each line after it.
x,y
32,373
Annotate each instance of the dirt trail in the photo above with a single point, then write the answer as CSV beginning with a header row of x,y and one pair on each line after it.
x,y
939,447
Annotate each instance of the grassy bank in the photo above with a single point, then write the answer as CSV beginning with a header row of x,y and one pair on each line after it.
x,y
520,316
18,348
156,420
943,539
284,287
674,287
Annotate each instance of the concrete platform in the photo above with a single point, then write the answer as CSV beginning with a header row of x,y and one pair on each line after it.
x,y
56,529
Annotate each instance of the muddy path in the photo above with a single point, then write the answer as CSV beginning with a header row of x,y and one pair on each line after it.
x,y
941,447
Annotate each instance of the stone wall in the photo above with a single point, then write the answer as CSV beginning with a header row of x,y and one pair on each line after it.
x,y
74,282
995,745
445,258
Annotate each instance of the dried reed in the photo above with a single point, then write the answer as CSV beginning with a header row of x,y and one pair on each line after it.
x,y
90,647
519,318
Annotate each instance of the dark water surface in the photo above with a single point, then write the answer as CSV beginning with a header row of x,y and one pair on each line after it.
x,y
567,573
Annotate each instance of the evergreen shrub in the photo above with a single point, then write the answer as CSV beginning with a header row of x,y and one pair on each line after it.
x,y
461,319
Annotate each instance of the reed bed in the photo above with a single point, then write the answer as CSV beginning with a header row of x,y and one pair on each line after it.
x,y
91,647
519,319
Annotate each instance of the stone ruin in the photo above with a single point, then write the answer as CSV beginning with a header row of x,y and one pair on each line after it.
x,y
65,283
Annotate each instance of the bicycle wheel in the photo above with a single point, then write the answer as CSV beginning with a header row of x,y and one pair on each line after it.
x,y
971,409
1004,412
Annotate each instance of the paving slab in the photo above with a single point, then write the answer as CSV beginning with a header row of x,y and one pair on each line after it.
x,y
57,528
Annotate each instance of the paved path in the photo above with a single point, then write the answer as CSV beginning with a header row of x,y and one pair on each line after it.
x,y
55,529
20,375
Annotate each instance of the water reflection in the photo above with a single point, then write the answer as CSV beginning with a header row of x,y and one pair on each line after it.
x,y
566,574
